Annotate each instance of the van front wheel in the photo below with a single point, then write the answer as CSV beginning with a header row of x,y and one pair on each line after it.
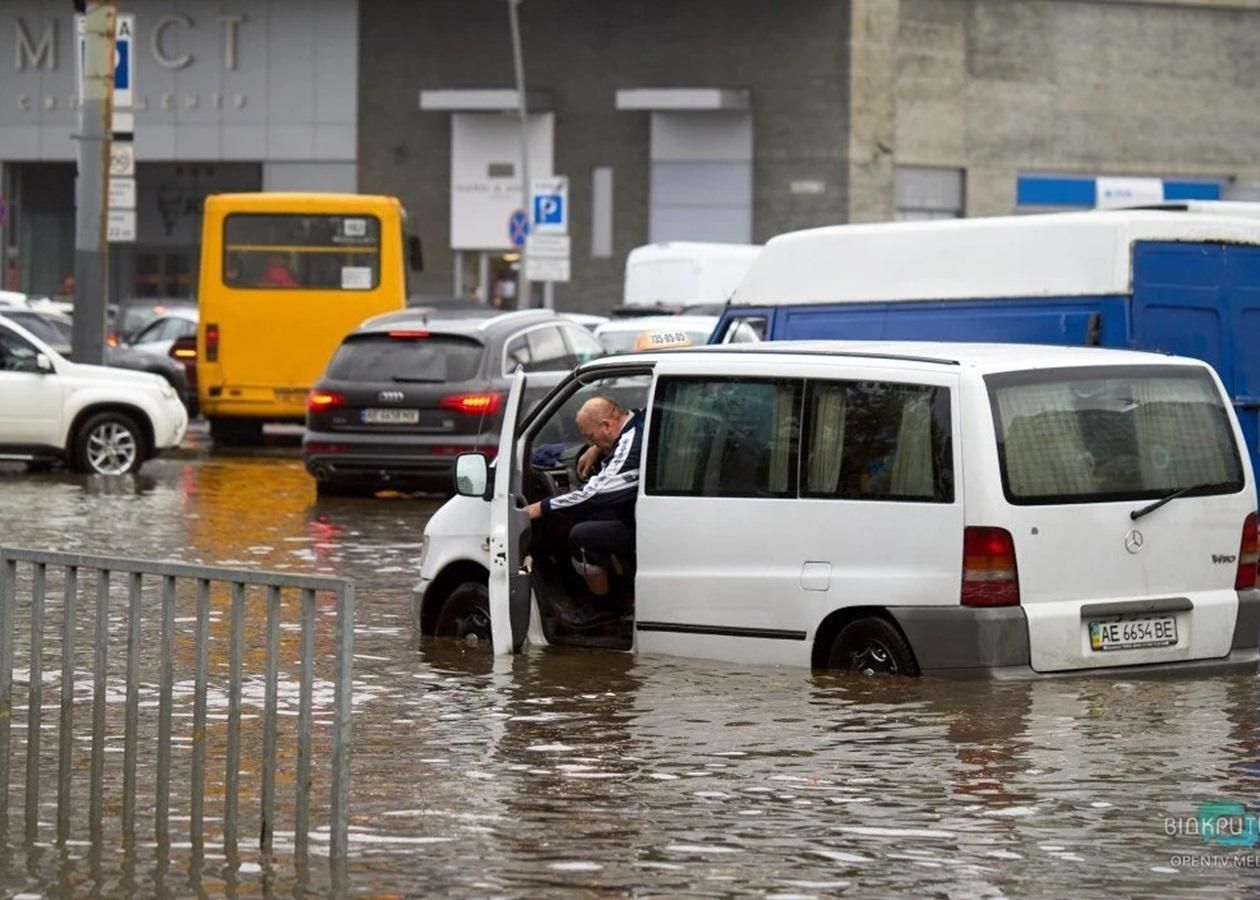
x,y
466,613
872,646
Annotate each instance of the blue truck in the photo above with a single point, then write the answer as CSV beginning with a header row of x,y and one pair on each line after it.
x,y
1183,282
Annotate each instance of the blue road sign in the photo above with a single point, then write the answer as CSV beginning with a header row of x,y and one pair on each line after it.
x,y
549,209
122,64
518,228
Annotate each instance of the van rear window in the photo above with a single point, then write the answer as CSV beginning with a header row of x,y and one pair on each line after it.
x,y
1112,433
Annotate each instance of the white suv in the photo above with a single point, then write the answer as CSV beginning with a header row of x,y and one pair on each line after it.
x,y
911,508
93,418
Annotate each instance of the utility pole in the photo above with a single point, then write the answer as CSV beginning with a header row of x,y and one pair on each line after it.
x,y
523,299
91,252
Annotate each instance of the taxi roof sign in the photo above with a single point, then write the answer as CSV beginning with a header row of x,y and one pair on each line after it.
x,y
662,340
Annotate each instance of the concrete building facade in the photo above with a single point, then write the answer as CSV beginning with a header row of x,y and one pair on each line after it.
x,y
228,95
857,110
725,120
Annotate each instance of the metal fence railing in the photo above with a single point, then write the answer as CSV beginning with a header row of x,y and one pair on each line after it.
x,y
181,585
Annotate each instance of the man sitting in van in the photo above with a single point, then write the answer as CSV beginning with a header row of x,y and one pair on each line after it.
x,y
603,539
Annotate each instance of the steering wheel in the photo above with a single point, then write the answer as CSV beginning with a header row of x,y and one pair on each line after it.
x,y
562,476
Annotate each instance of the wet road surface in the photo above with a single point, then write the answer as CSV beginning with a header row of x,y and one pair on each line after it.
x,y
567,771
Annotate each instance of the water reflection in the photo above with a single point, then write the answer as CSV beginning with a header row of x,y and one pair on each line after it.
x,y
578,771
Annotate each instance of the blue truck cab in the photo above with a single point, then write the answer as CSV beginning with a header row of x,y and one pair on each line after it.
x,y
1183,282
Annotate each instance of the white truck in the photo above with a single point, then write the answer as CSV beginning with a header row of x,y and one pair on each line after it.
x,y
673,275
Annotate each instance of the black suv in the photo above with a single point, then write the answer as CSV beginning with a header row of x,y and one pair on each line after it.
x,y
407,392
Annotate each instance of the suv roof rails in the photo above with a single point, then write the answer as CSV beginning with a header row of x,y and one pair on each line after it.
x,y
516,314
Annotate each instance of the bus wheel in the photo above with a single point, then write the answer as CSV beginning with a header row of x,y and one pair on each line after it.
x,y
872,646
465,614
236,432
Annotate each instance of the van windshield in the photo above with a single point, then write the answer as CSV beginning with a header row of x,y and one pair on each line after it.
x,y
1112,433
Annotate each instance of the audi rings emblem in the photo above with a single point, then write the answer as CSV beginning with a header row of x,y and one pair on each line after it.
x,y
1133,541
390,396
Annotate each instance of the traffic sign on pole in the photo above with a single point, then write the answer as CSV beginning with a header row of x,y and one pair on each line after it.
x,y
549,205
547,257
518,228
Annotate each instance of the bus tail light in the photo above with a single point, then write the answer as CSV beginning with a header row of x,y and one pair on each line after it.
x,y
1248,555
473,404
322,401
212,343
989,577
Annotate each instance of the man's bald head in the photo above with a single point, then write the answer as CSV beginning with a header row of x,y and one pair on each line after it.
x,y
600,420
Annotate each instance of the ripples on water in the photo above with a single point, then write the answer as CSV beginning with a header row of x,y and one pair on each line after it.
x,y
573,770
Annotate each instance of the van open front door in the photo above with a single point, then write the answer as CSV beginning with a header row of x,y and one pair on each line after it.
x,y
509,530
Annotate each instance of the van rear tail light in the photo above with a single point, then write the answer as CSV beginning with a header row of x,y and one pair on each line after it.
x,y
212,343
989,577
473,404
1248,555
321,401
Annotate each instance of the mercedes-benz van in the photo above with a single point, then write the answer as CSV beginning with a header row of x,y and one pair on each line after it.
x,y
914,508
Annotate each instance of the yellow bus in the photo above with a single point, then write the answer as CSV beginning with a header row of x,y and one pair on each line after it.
x,y
284,277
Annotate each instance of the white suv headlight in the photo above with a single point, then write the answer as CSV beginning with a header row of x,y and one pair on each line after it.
x,y
424,549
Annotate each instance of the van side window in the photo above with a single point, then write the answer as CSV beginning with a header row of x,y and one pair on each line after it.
x,y
724,437
871,440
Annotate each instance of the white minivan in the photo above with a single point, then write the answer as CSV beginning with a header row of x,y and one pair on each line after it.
x,y
912,508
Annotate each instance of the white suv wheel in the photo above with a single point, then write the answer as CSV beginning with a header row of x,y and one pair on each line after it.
x,y
109,444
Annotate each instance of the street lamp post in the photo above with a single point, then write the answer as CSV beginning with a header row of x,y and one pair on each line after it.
x,y
522,290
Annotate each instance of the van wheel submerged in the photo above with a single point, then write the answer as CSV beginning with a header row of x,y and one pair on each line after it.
x,y
466,613
872,646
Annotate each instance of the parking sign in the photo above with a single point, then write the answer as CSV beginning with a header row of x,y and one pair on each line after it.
x,y
549,205
124,64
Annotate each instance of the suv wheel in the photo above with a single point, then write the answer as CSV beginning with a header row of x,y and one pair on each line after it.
x,y
109,443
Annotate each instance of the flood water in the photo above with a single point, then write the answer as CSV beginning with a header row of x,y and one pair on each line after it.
x,y
567,771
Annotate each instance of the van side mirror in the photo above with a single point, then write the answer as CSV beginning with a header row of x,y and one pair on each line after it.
x,y
43,363
472,475
415,254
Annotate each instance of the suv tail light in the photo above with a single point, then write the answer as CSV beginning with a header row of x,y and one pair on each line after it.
x,y
320,401
989,577
408,335
1248,555
212,343
473,404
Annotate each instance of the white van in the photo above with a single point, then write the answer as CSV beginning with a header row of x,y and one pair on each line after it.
x,y
672,275
913,508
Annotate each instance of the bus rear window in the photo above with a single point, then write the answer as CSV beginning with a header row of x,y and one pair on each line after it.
x,y
1113,433
278,251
